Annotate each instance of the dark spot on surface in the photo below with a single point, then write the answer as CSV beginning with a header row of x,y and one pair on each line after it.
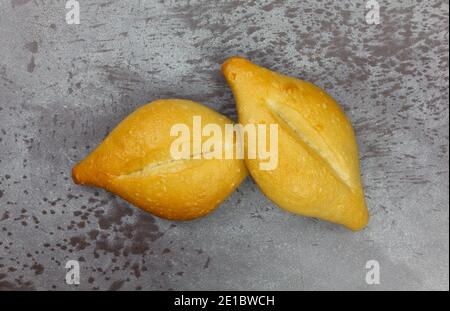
x,y
206,265
32,47
31,65
1,193
5,216
136,270
53,26
79,242
15,3
269,7
93,234
116,285
114,216
252,29
38,268
17,285
141,233
120,235
166,251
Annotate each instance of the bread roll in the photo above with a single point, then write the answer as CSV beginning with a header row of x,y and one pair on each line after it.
x,y
135,162
318,169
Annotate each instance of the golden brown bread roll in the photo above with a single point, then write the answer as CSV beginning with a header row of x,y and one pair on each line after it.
x,y
318,170
135,162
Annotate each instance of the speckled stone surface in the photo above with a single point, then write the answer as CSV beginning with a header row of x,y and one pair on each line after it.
x,y
64,87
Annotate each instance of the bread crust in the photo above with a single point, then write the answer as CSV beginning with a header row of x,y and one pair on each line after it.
x,y
318,171
134,162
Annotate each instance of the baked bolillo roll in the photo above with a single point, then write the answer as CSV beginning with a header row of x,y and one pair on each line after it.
x,y
318,169
136,162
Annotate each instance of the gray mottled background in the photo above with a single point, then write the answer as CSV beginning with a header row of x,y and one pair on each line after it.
x,y
64,87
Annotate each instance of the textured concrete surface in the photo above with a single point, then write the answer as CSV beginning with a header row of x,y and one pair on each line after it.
x,y
64,87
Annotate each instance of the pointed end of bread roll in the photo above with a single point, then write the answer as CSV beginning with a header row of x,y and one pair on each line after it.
x,y
234,65
359,218
86,173
76,175
82,173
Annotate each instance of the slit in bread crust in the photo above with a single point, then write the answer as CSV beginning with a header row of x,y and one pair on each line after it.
x,y
325,159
